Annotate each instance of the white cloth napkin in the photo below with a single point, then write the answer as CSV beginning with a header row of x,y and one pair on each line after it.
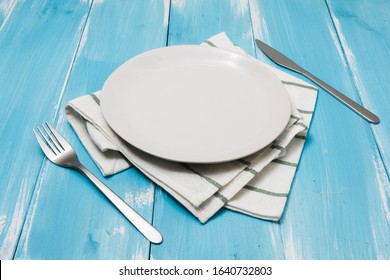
x,y
257,185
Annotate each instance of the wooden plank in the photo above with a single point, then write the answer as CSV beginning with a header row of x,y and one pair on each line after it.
x,y
228,235
35,60
364,32
68,217
337,209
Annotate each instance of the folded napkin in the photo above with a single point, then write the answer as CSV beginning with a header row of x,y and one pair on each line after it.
x,y
257,185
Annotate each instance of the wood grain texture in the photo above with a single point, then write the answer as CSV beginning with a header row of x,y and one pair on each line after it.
x,y
36,59
336,208
71,219
364,32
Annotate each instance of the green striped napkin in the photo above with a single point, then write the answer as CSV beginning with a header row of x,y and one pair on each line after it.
x,y
257,185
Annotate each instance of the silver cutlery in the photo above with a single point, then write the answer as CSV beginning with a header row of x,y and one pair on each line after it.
x,y
58,151
284,61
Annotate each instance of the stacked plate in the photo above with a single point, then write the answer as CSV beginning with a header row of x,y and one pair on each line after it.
x,y
195,104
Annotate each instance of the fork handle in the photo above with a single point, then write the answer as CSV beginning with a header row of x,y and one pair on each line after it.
x,y
151,233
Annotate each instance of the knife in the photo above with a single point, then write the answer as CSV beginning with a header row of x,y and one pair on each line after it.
x,y
284,61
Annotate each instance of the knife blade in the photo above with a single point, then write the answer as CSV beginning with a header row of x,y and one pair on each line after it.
x,y
284,61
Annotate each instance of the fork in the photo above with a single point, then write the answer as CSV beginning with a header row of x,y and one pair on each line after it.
x,y
59,151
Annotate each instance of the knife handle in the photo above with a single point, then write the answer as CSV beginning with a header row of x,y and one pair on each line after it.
x,y
358,109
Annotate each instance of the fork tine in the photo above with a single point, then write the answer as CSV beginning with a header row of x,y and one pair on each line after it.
x,y
60,140
52,137
48,151
49,142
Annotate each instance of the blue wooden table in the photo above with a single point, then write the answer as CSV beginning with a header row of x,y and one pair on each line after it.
x,y
54,51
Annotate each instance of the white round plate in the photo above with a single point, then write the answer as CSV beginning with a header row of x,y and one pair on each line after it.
x,y
195,104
